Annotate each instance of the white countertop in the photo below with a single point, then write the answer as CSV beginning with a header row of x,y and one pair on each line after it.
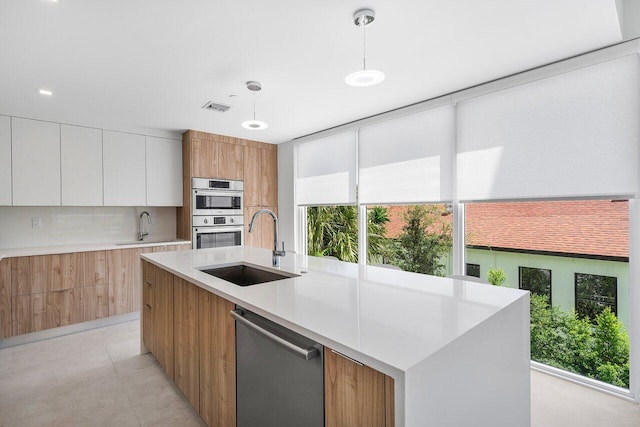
x,y
84,247
390,320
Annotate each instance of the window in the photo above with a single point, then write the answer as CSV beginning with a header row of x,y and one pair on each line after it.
x,y
567,237
472,270
536,280
594,293
416,238
332,231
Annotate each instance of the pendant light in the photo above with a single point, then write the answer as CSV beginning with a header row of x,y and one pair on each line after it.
x,y
254,124
364,78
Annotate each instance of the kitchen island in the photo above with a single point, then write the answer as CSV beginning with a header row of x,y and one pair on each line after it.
x,y
458,351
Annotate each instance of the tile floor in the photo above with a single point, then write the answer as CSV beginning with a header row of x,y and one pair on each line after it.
x,y
98,378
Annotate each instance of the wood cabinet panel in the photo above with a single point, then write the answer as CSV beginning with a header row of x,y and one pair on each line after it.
x,y
5,298
354,394
163,320
217,360
65,271
389,402
28,313
125,280
230,161
185,344
95,268
39,274
255,237
148,275
20,277
63,308
252,175
266,231
95,302
204,158
268,177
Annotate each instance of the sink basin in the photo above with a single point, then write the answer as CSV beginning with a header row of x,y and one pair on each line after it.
x,y
245,275
138,242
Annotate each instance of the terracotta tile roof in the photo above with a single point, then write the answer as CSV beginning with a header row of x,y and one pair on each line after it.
x,y
587,227
584,227
396,221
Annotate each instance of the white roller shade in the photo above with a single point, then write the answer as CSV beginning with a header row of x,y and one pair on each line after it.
x,y
408,159
570,135
326,171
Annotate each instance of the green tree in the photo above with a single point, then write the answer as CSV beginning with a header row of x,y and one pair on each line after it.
x,y
333,231
425,239
496,276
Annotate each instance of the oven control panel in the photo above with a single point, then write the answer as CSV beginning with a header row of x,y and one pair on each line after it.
x,y
217,220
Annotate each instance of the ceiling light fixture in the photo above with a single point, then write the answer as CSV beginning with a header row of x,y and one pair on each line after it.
x,y
254,124
364,78
45,92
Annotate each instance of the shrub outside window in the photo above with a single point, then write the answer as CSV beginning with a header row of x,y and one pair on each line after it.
x,y
536,280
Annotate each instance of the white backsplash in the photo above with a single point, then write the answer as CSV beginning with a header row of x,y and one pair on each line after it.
x,y
75,225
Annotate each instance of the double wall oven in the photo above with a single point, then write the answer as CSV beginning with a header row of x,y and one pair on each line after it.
x,y
217,213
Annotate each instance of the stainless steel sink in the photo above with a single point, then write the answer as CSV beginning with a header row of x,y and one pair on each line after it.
x,y
246,275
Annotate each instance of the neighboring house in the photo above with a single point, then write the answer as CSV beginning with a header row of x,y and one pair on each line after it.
x,y
574,252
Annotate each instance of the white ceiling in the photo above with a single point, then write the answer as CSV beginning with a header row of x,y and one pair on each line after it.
x,y
151,64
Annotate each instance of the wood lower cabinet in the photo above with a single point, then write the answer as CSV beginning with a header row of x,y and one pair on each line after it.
x,y
5,298
186,355
125,279
355,394
157,315
217,340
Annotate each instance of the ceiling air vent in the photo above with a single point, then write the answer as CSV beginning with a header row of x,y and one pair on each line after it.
x,y
216,106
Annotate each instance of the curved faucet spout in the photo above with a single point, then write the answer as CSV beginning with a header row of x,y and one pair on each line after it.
x,y
276,253
141,231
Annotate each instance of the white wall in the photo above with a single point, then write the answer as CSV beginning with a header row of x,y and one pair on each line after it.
x,y
73,225
286,208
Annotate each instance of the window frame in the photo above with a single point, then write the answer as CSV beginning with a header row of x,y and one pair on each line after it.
x,y
520,267
575,291
466,270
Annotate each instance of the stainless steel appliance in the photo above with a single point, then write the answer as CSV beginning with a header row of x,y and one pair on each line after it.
x,y
217,231
217,197
280,379
218,219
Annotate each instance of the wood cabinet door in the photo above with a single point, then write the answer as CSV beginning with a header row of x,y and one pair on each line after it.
x,y
125,280
230,161
252,176
148,289
204,162
268,177
354,393
185,343
162,302
63,308
217,340
5,298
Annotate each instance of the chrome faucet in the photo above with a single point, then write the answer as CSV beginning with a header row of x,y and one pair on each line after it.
x,y
142,233
276,253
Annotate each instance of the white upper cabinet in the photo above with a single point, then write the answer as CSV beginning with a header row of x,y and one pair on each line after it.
x,y
5,160
35,156
124,169
164,172
81,156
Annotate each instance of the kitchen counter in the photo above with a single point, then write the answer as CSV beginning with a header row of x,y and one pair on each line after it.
x,y
442,340
84,247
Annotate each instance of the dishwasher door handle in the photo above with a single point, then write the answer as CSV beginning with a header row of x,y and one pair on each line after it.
x,y
305,353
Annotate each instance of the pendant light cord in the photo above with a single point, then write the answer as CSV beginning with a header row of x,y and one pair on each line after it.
x,y
364,43
254,106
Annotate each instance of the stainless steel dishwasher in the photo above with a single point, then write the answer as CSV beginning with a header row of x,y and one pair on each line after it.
x,y
280,375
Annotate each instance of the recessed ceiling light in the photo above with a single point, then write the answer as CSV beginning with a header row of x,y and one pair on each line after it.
x,y
45,92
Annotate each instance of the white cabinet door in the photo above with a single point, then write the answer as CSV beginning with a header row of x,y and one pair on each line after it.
x,y
5,161
164,172
81,154
35,155
124,169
